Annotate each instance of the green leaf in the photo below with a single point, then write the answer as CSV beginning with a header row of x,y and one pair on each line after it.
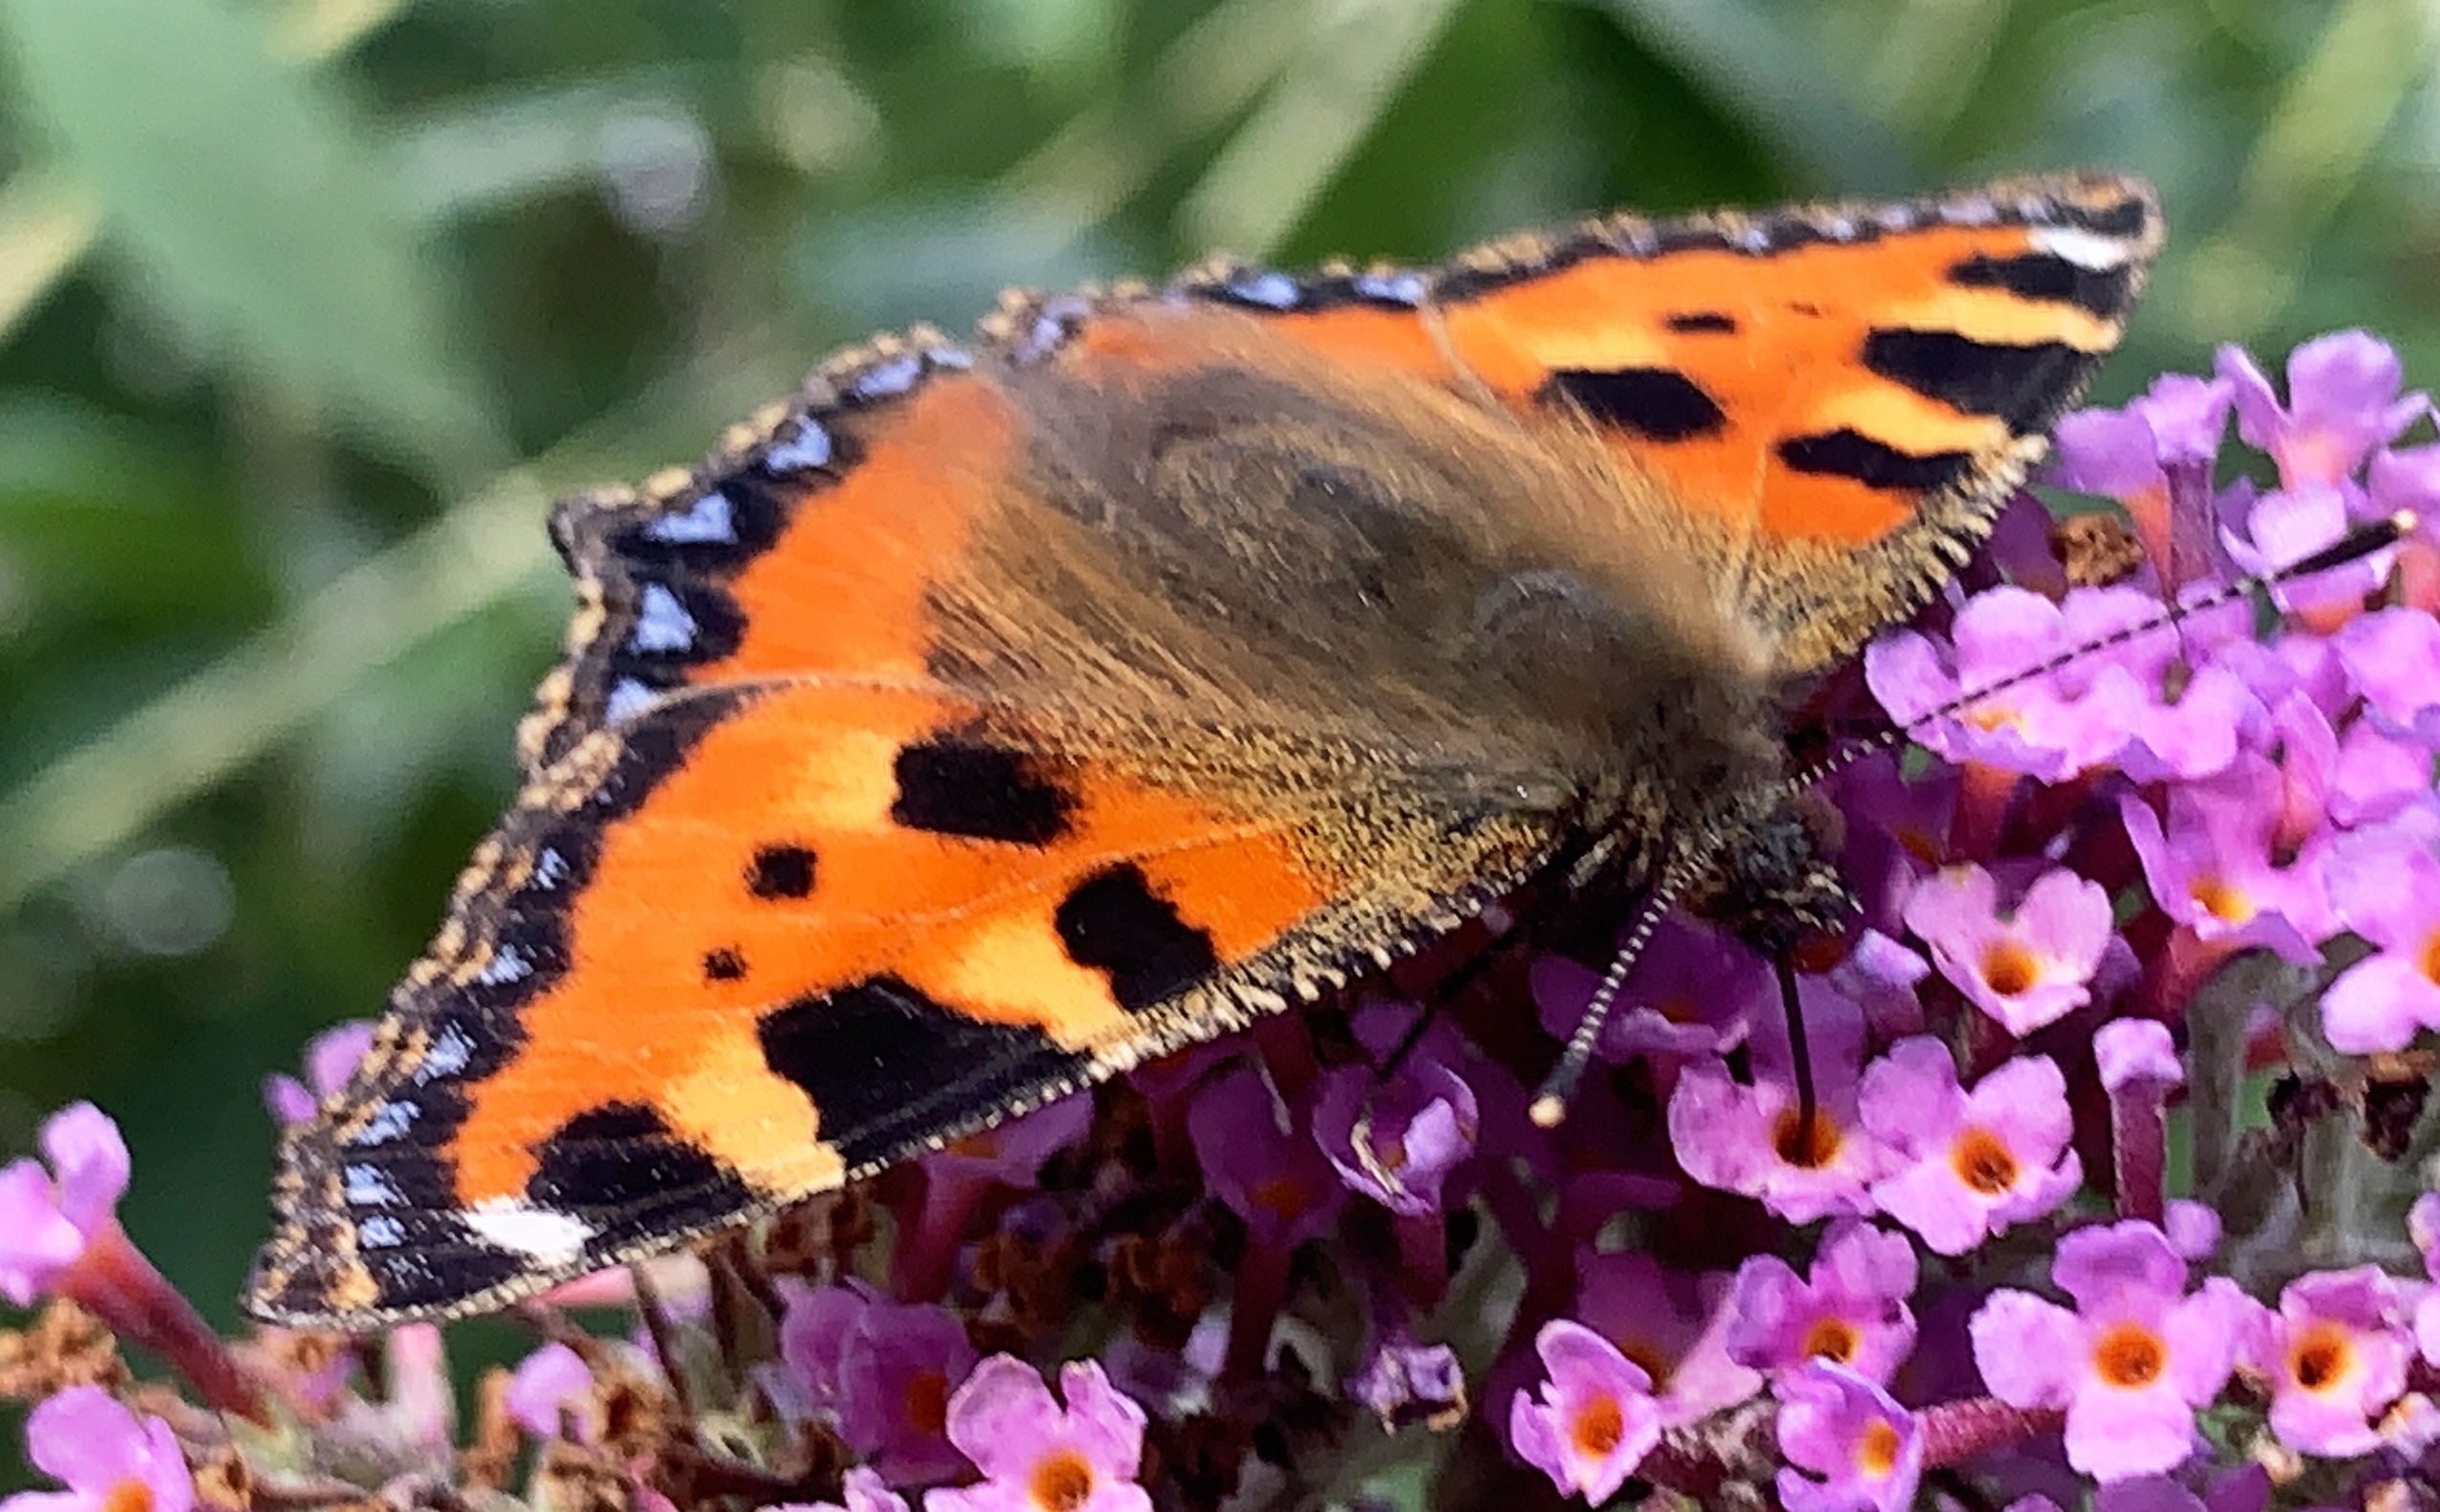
x,y
248,201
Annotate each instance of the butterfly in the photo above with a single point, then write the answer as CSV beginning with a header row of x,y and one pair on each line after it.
x,y
989,718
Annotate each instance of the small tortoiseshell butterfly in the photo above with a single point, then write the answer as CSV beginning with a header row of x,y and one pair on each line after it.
x,y
988,719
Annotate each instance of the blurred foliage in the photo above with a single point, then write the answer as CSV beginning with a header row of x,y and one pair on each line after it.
x,y
307,306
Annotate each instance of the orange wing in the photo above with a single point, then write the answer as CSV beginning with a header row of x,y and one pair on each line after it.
x,y
1847,391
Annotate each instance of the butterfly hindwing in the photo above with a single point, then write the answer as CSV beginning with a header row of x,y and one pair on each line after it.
x,y
781,907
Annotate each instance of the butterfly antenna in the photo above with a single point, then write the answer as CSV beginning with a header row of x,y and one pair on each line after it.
x,y
1550,1107
2357,544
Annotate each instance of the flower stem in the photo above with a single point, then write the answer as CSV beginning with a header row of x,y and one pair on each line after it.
x,y
114,1282
2139,1148
1261,1290
1958,1431
927,1250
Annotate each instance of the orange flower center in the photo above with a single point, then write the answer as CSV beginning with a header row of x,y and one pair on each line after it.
x,y
1062,1482
1831,1339
2430,961
1811,1143
2130,1355
1983,1161
982,1145
927,1402
128,1496
2318,1357
1920,843
1283,1197
2221,901
2008,968
1598,1425
1649,1358
1877,1451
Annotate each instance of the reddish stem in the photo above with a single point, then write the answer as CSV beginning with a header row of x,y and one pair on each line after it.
x,y
1958,1431
1260,1290
2179,971
2139,1149
114,1282
928,1243
1983,795
1423,1260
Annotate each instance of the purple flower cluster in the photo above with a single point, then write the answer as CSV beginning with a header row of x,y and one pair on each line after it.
x,y
2094,1188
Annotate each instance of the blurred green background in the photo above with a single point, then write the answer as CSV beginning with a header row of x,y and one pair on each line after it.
x,y
306,307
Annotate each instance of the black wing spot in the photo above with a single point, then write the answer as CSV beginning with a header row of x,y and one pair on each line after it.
x,y
725,965
1692,322
1113,922
781,872
2051,278
953,787
1661,404
622,1155
875,1057
1845,453
2022,385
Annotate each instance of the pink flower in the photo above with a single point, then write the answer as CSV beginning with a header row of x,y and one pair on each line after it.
x,y
329,1060
2336,1353
2217,867
895,1370
1406,1381
2288,524
1273,1176
2049,727
1865,1448
2386,884
2245,1490
111,1460
1745,1138
2131,1364
47,1218
882,1370
60,1233
1419,1125
2392,657
1849,1309
1672,1324
2342,401
1596,1420
1038,1456
1012,1151
544,1385
1977,1162
2155,459
866,1492
2423,1227
958,1175
2026,966
1692,992
2129,1052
